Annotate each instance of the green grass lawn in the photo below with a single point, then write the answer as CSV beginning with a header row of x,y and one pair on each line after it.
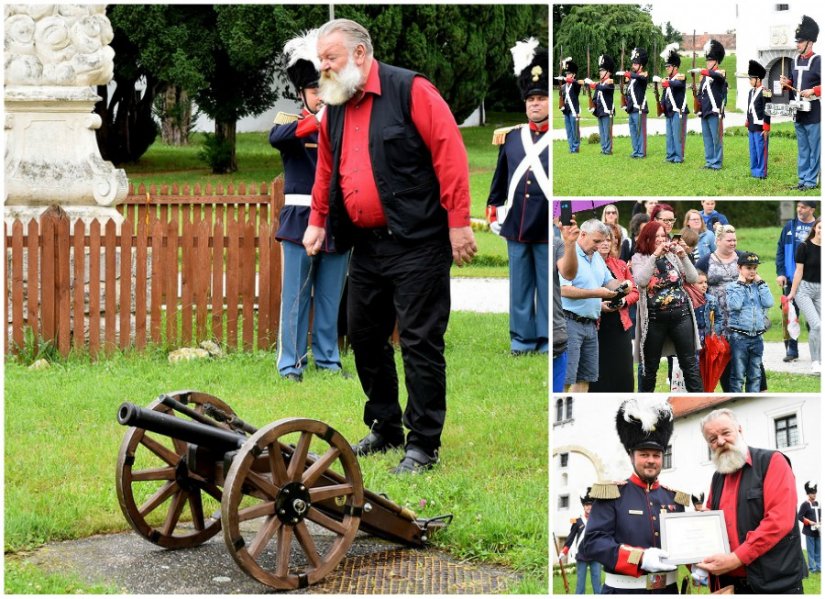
x,y
62,438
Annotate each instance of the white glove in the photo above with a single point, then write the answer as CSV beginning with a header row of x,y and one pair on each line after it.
x,y
495,227
700,576
657,79
563,556
815,526
559,78
320,114
588,80
695,71
620,73
652,560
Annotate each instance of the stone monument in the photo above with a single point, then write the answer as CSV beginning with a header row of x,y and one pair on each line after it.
x,y
54,56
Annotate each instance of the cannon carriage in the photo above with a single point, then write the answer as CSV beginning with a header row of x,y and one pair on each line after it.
x,y
189,467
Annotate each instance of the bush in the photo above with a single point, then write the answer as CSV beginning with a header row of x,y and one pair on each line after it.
x,y
217,153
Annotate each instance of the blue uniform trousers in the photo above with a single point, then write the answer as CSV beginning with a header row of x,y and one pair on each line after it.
x,y
528,296
638,134
571,125
759,154
713,141
605,135
595,576
808,144
321,277
674,136
814,547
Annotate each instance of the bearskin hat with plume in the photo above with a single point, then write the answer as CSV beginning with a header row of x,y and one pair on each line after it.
x,y
671,55
810,486
807,30
644,423
302,64
531,66
607,62
714,50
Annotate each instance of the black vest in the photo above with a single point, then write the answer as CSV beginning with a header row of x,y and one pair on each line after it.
x,y
782,567
401,165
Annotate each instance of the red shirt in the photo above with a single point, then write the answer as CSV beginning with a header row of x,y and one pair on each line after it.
x,y
435,123
779,497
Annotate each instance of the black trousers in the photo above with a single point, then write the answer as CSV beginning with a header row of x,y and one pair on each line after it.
x,y
389,280
741,586
678,325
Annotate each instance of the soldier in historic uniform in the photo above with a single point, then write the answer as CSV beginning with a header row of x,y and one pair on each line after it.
x,y
572,547
806,84
321,276
623,531
603,101
674,104
757,121
517,208
713,94
636,106
571,108
810,514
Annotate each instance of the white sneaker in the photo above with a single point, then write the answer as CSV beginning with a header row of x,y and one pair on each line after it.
x,y
815,366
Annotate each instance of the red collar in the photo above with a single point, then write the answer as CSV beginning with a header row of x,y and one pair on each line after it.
x,y
809,54
640,483
540,128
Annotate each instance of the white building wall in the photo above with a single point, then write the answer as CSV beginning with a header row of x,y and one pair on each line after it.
x,y
595,453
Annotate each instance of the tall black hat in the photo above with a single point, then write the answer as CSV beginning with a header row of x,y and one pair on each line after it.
x,y
698,498
714,51
302,64
531,66
638,56
756,70
568,65
644,424
587,499
671,55
607,62
810,487
807,30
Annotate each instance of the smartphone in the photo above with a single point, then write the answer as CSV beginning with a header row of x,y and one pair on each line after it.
x,y
566,213
677,237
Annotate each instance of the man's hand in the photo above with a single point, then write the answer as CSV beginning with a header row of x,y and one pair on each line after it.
x,y
782,280
605,293
464,245
606,307
652,561
570,233
807,93
721,563
314,239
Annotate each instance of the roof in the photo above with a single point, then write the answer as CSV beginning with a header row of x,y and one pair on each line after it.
x,y
728,41
684,406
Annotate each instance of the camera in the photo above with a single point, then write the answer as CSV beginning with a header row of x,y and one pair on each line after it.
x,y
622,290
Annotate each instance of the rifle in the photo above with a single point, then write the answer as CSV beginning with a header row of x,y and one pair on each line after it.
x,y
561,566
697,103
591,105
561,77
659,110
621,81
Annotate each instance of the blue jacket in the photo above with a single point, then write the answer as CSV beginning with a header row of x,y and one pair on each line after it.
x,y
703,312
706,244
747,306
713,93
706,217
793,234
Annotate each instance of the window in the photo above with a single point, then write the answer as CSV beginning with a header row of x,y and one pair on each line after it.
x,y
786,432
667,458
563,458
564,502
564,409
559,409
781,7
569,408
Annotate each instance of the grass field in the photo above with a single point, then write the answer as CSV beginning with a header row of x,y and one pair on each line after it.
x,y
62,438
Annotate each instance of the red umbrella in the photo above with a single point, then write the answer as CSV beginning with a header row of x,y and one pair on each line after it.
x,y
713,358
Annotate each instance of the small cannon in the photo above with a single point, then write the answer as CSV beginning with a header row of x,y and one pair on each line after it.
x,y
261,486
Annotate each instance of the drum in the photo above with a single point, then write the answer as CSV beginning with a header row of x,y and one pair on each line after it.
x,y
779,110
801,105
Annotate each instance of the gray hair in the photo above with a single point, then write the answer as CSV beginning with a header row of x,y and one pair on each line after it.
x,y
594,225
716,414
355,33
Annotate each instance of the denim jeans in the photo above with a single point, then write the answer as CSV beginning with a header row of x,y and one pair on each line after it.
x,y
745,360
808,144
571,125
713,141
814,547
605,134
595,576
638,133
678,325
673,128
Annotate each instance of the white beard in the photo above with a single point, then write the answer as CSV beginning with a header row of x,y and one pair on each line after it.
x,y
732,458
337,88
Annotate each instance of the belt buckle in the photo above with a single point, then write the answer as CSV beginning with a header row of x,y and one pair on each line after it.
x,y
655,581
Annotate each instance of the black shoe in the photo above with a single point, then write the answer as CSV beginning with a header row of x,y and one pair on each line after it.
x,y
375,443
790,358
796,187
415,461
806,187
520,352
295,377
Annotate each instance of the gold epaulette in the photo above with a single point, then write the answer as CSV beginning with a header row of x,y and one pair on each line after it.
x,y
573,520
609,82
721,72
606,490
679,77
766,93
284,118
681,498
500,133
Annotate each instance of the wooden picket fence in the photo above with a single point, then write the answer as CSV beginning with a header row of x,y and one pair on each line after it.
x,y
183,268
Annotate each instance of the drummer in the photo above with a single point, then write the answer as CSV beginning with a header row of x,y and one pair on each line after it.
x,y
758,121
805,83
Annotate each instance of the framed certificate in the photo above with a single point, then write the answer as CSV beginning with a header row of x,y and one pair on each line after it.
x,y
689,537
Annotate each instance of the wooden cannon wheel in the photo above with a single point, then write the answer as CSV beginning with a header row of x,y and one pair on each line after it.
x,y
157,493
265,509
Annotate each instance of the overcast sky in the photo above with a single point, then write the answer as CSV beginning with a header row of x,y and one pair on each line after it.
x,y
712,16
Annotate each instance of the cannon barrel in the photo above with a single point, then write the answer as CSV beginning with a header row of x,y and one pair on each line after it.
x,y
209,437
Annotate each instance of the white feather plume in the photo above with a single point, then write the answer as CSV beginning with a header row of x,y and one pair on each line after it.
x,y
303,47
523,53
647,411
566,60
674,47
706,47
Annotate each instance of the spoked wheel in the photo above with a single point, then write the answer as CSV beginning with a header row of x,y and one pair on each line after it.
x,y
268,499
161,498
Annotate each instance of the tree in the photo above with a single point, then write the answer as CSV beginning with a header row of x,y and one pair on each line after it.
x,y
672,34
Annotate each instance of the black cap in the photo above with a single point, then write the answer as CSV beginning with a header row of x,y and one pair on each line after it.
x,y
531,64
644,424
607,63
810,203
756,70
638,56
569,65
810,487
748,259
714,51
807,30
302,64
671,55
